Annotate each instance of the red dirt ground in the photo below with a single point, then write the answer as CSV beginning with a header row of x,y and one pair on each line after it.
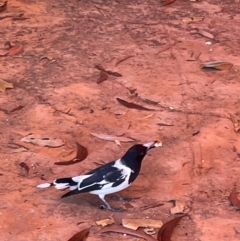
x,y
199,163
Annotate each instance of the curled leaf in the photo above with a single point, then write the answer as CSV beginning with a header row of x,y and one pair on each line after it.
x,y
139,233
166,230
132,105
80,236
216,65
112,138
82,153
233,198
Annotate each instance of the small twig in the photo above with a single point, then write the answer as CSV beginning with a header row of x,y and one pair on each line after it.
x,y
121,60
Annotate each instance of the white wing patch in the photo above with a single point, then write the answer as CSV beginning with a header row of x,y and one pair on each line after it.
x,y
107,188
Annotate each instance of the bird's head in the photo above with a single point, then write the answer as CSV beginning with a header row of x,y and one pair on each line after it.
x,y
137,152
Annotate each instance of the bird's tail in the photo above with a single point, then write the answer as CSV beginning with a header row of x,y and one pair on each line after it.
x,y
63,183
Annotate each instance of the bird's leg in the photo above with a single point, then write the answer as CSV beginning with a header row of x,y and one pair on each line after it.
x,y
107,206
126,199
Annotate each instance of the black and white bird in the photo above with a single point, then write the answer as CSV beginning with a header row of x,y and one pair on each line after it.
x,y
109,178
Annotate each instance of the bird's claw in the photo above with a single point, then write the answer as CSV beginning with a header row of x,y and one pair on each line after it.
x,y
111,209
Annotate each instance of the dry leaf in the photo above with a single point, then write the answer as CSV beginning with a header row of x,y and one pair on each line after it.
x,y
132,105
24,166
103,76
145,223
105,222
216,65
123,230
5,85
166,230
17,108
112,138
43,140
178,207
80,236
82,153
3,6
233,198
118,143
192,19
146,117
16,49
113,73
166,2
205,34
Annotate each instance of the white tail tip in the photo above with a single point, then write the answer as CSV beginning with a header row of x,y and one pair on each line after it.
x,y
44,185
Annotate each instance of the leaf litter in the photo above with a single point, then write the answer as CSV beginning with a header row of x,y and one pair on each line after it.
x,y
178,207
80,236
39,140
131,105
166,230
216,65
82,153
5,85
123,230
105,222
112,138
144,223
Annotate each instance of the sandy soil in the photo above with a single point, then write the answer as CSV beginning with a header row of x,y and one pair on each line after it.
x,y
199,161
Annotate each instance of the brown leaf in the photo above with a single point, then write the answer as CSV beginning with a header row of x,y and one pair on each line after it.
x,y
233,198
136,223
166,2
112,138
166,230
205,34
5,85
192,19
3,6
132,105
16,49
216,65
82,153
113,73
121,60
139,233
80,236
105,222
17,108
103,76
24,166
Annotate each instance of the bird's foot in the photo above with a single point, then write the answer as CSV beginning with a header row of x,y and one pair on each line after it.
x,y
126,199
111,209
